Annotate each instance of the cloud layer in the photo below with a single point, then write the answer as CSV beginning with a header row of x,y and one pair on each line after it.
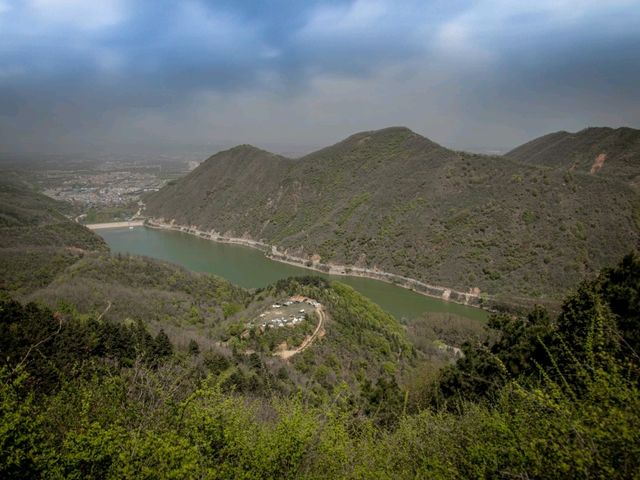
x,y
77,75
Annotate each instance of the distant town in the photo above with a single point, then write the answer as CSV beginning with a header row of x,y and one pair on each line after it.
x,y
105,189
99,190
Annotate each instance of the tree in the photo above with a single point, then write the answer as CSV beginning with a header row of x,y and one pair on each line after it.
x,y
215,362
163,347
516,347
621,290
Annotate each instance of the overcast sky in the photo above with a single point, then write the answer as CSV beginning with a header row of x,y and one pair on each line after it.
x,y
78,75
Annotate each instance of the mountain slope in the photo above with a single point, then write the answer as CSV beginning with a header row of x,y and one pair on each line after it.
x,y
602,151
241,178
37,240
393,200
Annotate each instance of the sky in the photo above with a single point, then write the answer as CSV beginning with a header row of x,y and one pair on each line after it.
x,y
136,75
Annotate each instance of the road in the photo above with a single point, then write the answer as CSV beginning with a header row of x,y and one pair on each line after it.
x,y
97,226
307,342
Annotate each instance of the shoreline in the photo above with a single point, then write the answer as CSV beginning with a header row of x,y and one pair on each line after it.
x,y
100,226
273,253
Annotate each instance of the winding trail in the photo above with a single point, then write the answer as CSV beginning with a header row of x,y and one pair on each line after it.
x,y
307,342
105,311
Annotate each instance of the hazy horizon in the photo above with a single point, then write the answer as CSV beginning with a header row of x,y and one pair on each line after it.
x,y
144,77
200,152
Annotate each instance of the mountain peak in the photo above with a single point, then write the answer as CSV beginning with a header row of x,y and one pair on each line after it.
x,y
247,148
391,130
248,152
384,133
389,135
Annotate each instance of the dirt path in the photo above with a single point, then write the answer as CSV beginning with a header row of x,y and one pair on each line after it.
x,y
105,311
307,342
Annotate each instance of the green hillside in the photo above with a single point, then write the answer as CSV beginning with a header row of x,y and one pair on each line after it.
x,y
37,241
74,274
393,200
361,344
600,151
115,366
539,397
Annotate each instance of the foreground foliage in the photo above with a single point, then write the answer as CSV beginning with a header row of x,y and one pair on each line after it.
x,y
81,398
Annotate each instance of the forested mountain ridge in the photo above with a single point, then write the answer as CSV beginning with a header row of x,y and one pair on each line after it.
x,y
30,219
393,200
596,150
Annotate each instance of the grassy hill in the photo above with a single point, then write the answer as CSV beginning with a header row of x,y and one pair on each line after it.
x,y
537,397
361,345
397,201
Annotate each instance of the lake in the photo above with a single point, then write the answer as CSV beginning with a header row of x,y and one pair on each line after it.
x,y
249,268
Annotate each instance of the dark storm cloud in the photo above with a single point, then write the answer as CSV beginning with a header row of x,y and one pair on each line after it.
x,y
493,72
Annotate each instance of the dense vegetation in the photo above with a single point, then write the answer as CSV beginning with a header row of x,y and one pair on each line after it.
x,y
536,397
363,347
114,366
511,226
186,304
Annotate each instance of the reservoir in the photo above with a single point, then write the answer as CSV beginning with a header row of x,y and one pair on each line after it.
x,y
249,268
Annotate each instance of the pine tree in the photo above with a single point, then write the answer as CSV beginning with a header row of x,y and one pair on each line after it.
x,y
162,347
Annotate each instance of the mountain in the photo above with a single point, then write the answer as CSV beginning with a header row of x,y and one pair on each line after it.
x,y
394,200
598,151
239,173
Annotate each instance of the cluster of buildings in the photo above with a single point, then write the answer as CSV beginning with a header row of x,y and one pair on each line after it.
x,y
105,188
282,321
285,314
301,299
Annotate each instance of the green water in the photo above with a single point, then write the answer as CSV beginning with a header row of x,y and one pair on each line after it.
x,y
249,268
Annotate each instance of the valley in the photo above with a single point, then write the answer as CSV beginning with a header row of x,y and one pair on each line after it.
x,y
272,252
116,333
